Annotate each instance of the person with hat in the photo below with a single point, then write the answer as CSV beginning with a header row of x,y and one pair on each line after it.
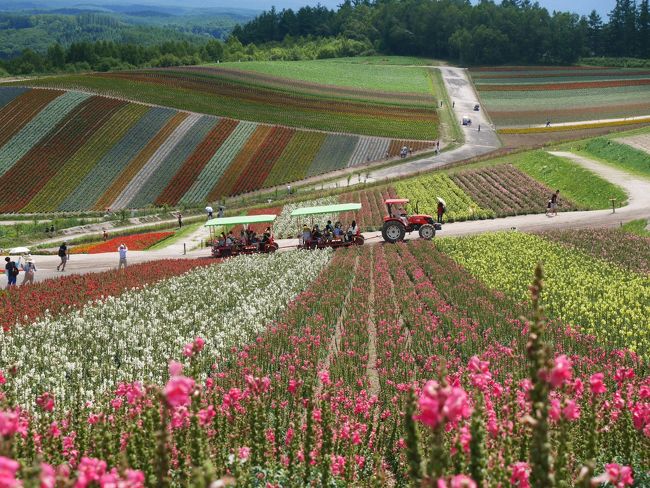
x,y
64,255
122,251
29,267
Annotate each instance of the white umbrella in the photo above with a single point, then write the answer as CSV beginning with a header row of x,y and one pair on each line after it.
x,y
208,209
19,250
442,201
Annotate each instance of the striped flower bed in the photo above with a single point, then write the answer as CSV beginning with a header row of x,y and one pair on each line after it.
x,y
85,151
136,242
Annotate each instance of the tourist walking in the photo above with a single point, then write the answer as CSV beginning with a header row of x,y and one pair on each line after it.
x,y
64,254
554,202
11,270
180,220
441,211
29,267
104,235
220,212
122,252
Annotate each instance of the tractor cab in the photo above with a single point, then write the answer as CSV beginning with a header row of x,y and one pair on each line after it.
x,y
397,222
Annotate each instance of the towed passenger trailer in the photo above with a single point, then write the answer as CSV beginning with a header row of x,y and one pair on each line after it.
x,y
333,242
223,250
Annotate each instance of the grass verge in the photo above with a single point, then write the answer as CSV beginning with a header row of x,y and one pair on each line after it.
x,y
580,185
178,235
637,227
617,154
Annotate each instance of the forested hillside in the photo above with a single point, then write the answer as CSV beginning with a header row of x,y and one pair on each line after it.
x,y
512,31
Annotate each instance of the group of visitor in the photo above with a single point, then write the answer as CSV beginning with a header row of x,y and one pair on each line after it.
x,y
247,237
13,269
328,233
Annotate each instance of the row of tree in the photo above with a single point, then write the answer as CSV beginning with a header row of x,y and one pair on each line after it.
x,y
107,55
514,31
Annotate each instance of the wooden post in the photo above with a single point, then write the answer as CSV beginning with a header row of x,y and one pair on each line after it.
x,y
613,200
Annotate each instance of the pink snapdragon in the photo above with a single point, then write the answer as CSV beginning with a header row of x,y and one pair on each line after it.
x,y
47,476
8,470
9,423
458,481
46,401
562,371
617,475
244,453
175,368
178,390
520,475
596,384
442,404
192,348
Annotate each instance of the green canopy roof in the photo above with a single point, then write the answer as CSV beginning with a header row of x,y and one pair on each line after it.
x,y
325,209
241,220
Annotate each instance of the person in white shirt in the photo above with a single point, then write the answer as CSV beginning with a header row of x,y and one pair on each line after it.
x,y
122,250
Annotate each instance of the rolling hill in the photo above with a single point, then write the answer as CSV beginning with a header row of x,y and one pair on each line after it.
x,y
71,150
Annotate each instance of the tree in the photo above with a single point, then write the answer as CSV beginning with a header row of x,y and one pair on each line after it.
x,y
595,34
56,55
643,30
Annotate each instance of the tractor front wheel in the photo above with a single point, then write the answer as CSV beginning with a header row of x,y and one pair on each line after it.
x,y
393,231
427,231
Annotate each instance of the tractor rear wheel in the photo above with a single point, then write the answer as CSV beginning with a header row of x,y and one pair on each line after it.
x,y
358,240
272,247
393,231
427,231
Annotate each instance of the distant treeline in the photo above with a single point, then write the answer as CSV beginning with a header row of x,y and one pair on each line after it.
x,y
108,55
514,31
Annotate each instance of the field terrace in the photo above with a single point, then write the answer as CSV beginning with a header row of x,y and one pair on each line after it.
x,y
529,96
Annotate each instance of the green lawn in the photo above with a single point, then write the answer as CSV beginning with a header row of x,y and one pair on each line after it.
x,y
187,230
583,187
617,154
637,227
388,77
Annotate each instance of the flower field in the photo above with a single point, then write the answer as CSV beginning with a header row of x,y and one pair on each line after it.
x,y
402,110
136,242
600,297
92,152
522,96
506,190
423,191
27,304
165,315
394,366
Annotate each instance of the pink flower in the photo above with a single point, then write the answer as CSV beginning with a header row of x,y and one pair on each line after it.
x,y
596,384
571,411
46,402
244,453
462,481
3,380
442,404
617,475
199,344
561,372
177,391
324,377
206,415
554,411
8,469
9,423
90,470
338,465
48,476
520,474
188,350
175,368
292,387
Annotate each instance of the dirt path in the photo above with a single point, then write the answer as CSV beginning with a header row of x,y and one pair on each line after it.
x,y
371,365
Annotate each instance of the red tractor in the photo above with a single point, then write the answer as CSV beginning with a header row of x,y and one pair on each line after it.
x,y
397,223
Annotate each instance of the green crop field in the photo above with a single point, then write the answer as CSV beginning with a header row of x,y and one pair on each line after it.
x,y
386,101
387,77
523,97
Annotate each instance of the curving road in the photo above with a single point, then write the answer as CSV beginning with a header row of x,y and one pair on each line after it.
x,y
462,94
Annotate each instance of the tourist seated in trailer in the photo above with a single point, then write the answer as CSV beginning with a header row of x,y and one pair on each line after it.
x,y
222,240
316,234
243,238
266,237
329,227
253,240
230,239
352,230
306,234
338,230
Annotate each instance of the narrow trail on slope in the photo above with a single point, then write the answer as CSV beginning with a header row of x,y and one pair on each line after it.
x,y
371,365
333,346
